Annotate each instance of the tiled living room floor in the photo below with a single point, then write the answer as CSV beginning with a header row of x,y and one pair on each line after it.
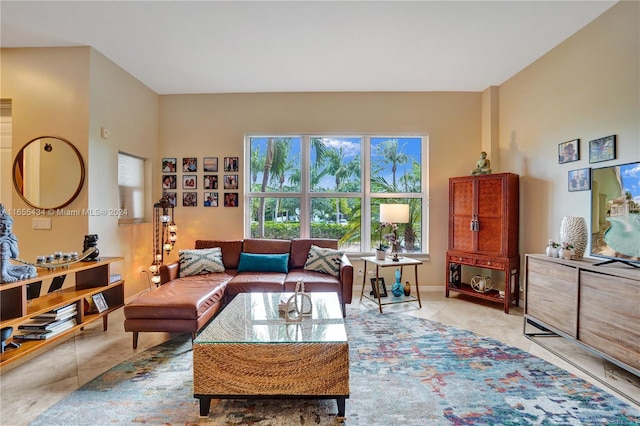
x,y
29,387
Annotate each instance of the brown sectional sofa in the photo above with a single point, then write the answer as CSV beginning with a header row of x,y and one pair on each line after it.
x,y
186,304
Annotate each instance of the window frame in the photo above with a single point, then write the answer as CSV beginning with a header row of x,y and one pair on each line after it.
x,y
365,194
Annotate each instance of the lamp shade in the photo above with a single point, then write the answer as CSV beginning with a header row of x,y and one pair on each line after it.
x,y
394,213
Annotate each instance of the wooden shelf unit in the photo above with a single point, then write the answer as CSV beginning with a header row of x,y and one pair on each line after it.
x,y
483,232
595,307
90,278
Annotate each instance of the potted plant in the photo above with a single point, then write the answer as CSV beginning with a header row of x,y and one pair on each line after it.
x,y
390,238
567,251
552,249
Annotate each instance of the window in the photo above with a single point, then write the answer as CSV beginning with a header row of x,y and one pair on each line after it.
x,y
130,188
324,186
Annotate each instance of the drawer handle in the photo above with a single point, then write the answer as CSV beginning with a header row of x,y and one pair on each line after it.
x,y
489,263
460,258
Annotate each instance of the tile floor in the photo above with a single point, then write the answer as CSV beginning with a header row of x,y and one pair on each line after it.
x,y
30,386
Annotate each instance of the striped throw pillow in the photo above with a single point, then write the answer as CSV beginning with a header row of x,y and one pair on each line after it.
x,y
324,260
203,261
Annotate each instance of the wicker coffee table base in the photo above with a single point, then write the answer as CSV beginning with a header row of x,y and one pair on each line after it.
x,y
315,370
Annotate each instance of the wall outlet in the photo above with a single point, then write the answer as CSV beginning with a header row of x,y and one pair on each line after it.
x,y
359,272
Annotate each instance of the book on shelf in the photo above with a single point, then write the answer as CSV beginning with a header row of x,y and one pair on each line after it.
x,y
47,323
58,312
46,334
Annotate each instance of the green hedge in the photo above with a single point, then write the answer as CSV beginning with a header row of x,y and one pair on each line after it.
x,y
291,230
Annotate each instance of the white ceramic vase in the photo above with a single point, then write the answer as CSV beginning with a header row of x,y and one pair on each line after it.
x,y
381,254
573,230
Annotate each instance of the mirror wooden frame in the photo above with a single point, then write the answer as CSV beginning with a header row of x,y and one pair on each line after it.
x,y
18,177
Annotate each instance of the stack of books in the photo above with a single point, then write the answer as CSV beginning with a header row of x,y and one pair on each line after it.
x,y
49,324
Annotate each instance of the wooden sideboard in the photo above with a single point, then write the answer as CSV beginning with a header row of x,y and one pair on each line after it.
x,y
91,278
596,307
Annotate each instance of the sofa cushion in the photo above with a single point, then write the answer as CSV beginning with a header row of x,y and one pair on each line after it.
x,y
300,249
324,260
251,262
256,282
197,262
313,281
230,249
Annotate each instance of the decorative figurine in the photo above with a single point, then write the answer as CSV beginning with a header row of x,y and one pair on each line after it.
x,y
91,241
9,250
483,165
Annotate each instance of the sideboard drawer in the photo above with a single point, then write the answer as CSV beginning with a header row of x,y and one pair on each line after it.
x,y
492,264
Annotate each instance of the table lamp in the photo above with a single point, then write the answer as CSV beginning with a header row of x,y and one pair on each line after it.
x,y
394,214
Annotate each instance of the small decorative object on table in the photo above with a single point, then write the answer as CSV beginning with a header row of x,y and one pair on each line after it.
x,y
397,289
407,289
552,249
567,251
300,303
381,254
91,241
481,284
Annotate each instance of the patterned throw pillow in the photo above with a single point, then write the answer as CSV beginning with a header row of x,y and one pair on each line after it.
x,y
324,260
203,261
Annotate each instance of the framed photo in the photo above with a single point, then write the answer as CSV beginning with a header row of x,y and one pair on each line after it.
x,y
231,199
169,165
210,199
230,181
189,182
189,164
580,179
603,149
172,198
374,290
210,164
189,199
169,182
231,164
210,182
569,151
101,304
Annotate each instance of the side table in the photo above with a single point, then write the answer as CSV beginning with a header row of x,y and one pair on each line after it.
x,y
386,263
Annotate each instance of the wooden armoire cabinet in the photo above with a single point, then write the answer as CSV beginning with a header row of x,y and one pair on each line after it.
x,y
483,233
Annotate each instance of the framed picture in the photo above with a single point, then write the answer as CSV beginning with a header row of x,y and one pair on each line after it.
x,y
210,182
569,151
602,149
169,182
374,288
172,198
169,165
189,182
230,181
189,199
580,179
230,164
231,199
210,199
101,304
210,164
189,164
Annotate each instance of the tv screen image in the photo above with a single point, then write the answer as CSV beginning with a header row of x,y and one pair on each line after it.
x,y
615,212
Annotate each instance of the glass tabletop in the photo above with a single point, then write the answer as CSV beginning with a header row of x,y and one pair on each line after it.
x,y
254,318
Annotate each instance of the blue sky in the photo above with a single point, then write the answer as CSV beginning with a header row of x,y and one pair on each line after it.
x,y
630,174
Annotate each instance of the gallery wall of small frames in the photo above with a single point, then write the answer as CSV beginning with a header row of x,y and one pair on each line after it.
x,y
602,149
190,176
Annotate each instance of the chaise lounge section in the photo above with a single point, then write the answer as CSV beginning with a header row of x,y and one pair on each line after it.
x,y
185,304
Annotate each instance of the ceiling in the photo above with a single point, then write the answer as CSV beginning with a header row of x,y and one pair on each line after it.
x,y
304,46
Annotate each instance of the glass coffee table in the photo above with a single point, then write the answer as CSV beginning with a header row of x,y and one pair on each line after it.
x,y
249,351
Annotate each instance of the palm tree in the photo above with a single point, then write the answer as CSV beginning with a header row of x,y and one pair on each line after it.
x,y
274,164
391,153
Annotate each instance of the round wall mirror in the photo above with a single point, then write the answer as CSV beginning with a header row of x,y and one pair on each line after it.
x,y
48,172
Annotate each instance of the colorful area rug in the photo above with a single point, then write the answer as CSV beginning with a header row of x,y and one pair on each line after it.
x,y
404,371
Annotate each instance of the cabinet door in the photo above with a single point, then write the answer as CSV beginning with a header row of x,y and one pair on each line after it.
x,y
490,211
461,210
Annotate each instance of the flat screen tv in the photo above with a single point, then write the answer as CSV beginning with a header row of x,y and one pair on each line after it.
x,y
615,213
